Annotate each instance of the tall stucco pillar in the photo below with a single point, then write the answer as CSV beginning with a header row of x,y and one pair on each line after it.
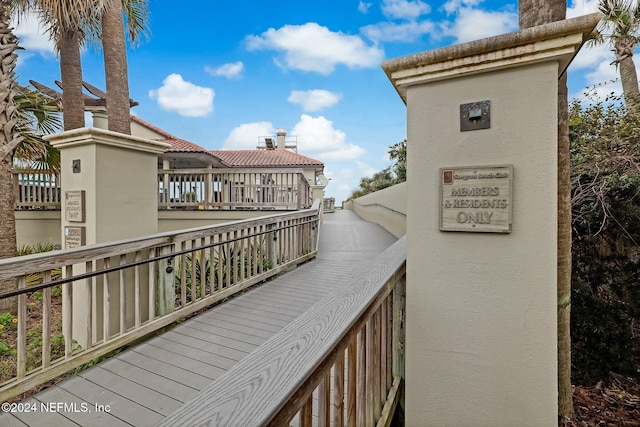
x,y
482,226
109,192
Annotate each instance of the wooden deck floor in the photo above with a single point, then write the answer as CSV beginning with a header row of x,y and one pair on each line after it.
x,y
145,383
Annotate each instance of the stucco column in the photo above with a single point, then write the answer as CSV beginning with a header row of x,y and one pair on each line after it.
x,y
481,226
109,192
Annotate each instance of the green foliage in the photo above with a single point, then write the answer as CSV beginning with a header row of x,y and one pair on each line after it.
x,y
392,175
8,321
227,256
605,308
37,278
5,350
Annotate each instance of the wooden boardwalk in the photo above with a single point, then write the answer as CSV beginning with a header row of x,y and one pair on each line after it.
x,y
143,384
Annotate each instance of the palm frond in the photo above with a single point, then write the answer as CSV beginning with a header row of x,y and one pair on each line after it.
x,y
36,114
136,13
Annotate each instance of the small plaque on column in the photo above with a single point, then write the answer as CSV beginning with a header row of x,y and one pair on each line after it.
x,y
476,199
74,206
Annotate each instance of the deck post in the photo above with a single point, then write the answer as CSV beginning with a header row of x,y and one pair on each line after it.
x,y
109,192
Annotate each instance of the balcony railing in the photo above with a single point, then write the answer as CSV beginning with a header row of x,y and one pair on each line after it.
x,y
346,352
36,189
233,189
121,291
189,189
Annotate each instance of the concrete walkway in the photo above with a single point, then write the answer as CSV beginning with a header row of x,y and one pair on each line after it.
x,y
143,384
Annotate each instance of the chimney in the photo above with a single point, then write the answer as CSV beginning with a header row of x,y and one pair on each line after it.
x,y
281,135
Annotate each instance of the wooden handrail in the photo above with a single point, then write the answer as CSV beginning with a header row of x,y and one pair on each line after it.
x,y
274,382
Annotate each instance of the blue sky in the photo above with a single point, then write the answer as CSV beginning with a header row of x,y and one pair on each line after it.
x,y
221,73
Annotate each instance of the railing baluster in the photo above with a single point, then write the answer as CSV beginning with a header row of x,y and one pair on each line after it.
x,y
46,322
22,329
90,285
67,304
183,275
324,400
361,395
352,372
338,390
138,290
153,271
194,272
123,295
306,412
106,304
377,374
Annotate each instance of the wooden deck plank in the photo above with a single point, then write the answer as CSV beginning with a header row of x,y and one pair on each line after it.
x,y
171,372
264,309
8,420
94,417
193,353
131,390
221,323
212,336
225,332
253,315
121,407
208,346
243,319
206,370
38,417
150,379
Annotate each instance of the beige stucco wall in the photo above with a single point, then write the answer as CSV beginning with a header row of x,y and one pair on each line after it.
x,y
481,307
33,227
387,207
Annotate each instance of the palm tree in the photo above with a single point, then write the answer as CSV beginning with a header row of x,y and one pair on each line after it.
x,y
532,13
8,141
67,22
115,56
619,25
70,24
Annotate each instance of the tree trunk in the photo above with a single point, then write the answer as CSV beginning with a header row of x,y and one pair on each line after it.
x,y
8,46
115,68
624,47
532,13
565,397
71,73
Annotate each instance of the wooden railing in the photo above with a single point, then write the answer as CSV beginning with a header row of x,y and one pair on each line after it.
x,y
36,189
329,205
233,189
259,189
121,291
346,353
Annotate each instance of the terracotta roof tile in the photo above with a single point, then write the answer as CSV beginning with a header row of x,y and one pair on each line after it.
x,y
263,158
177,144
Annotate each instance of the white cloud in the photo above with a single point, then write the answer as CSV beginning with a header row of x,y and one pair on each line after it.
x,y
402,32
591,56
183,97
32,35
452,6
404,9
245,136
582,7
311,47
473,24
318,138
363,7
314,100
230,70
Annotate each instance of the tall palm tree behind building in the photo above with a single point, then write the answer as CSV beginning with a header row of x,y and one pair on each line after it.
x,y
619,27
